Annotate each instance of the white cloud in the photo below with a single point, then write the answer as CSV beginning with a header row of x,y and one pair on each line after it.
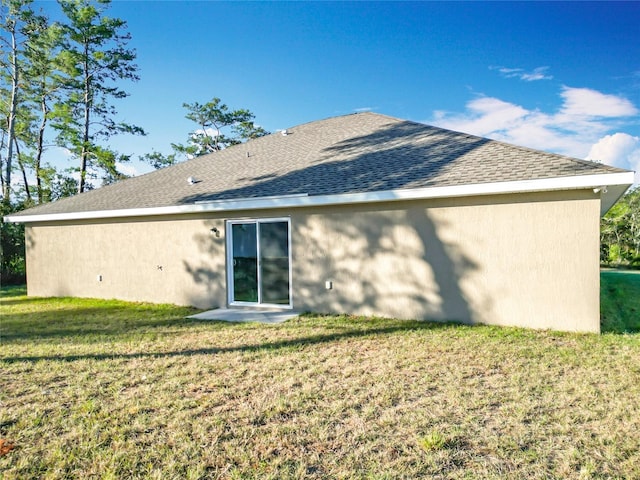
x,y
210,132
127,169
538,73
614,149
619,150
486,115
591,103
584,117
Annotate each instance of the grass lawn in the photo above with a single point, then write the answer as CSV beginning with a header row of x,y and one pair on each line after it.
x,y
620,300
108,389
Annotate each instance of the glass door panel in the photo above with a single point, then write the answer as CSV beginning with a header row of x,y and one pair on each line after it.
x,y
274,262
259,264
245,262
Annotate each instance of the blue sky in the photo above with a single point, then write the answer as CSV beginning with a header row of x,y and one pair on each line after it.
x,y
562,77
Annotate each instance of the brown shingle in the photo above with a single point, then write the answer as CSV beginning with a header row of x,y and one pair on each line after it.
x,y
362,152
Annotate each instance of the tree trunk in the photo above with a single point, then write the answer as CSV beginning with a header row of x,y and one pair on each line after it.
x,y
40,148
87,112
1,160
23,170
12,116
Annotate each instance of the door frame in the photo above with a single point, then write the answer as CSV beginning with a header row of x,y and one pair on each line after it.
x,y
229,246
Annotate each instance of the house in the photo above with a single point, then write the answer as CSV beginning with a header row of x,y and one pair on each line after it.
x,y
363,214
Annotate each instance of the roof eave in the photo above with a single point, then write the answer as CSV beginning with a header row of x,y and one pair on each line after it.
x,y
611,187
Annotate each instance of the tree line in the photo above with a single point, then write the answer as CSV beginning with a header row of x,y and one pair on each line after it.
x,y
59,86
59,82
620,232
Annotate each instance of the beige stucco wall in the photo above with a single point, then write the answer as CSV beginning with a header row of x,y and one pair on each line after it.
x,y
177,261
528,260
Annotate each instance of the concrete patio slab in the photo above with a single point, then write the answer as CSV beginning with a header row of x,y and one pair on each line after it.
x,y
242,315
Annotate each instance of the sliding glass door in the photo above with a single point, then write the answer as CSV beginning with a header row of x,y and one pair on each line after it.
x,y
259,262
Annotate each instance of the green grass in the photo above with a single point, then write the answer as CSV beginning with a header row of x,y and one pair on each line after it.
x,y
108,389
620,300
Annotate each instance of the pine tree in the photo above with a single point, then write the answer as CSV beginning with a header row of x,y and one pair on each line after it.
x,y
94,58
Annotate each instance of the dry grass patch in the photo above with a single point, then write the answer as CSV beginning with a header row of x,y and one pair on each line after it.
x,y
148,394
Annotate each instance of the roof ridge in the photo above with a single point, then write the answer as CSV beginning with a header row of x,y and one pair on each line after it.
x,y
334,117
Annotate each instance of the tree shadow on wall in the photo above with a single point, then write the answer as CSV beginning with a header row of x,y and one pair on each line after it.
x,y
208,272
392,262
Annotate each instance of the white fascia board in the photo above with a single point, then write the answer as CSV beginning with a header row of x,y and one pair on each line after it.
x,y
622,179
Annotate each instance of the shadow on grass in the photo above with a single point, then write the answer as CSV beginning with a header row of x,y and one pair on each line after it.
x,y
90,324
42,319
300,342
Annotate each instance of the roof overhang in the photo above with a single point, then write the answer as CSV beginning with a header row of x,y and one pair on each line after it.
x,y
610,186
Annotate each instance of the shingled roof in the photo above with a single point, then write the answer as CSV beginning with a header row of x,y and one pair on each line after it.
x,y
364,153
